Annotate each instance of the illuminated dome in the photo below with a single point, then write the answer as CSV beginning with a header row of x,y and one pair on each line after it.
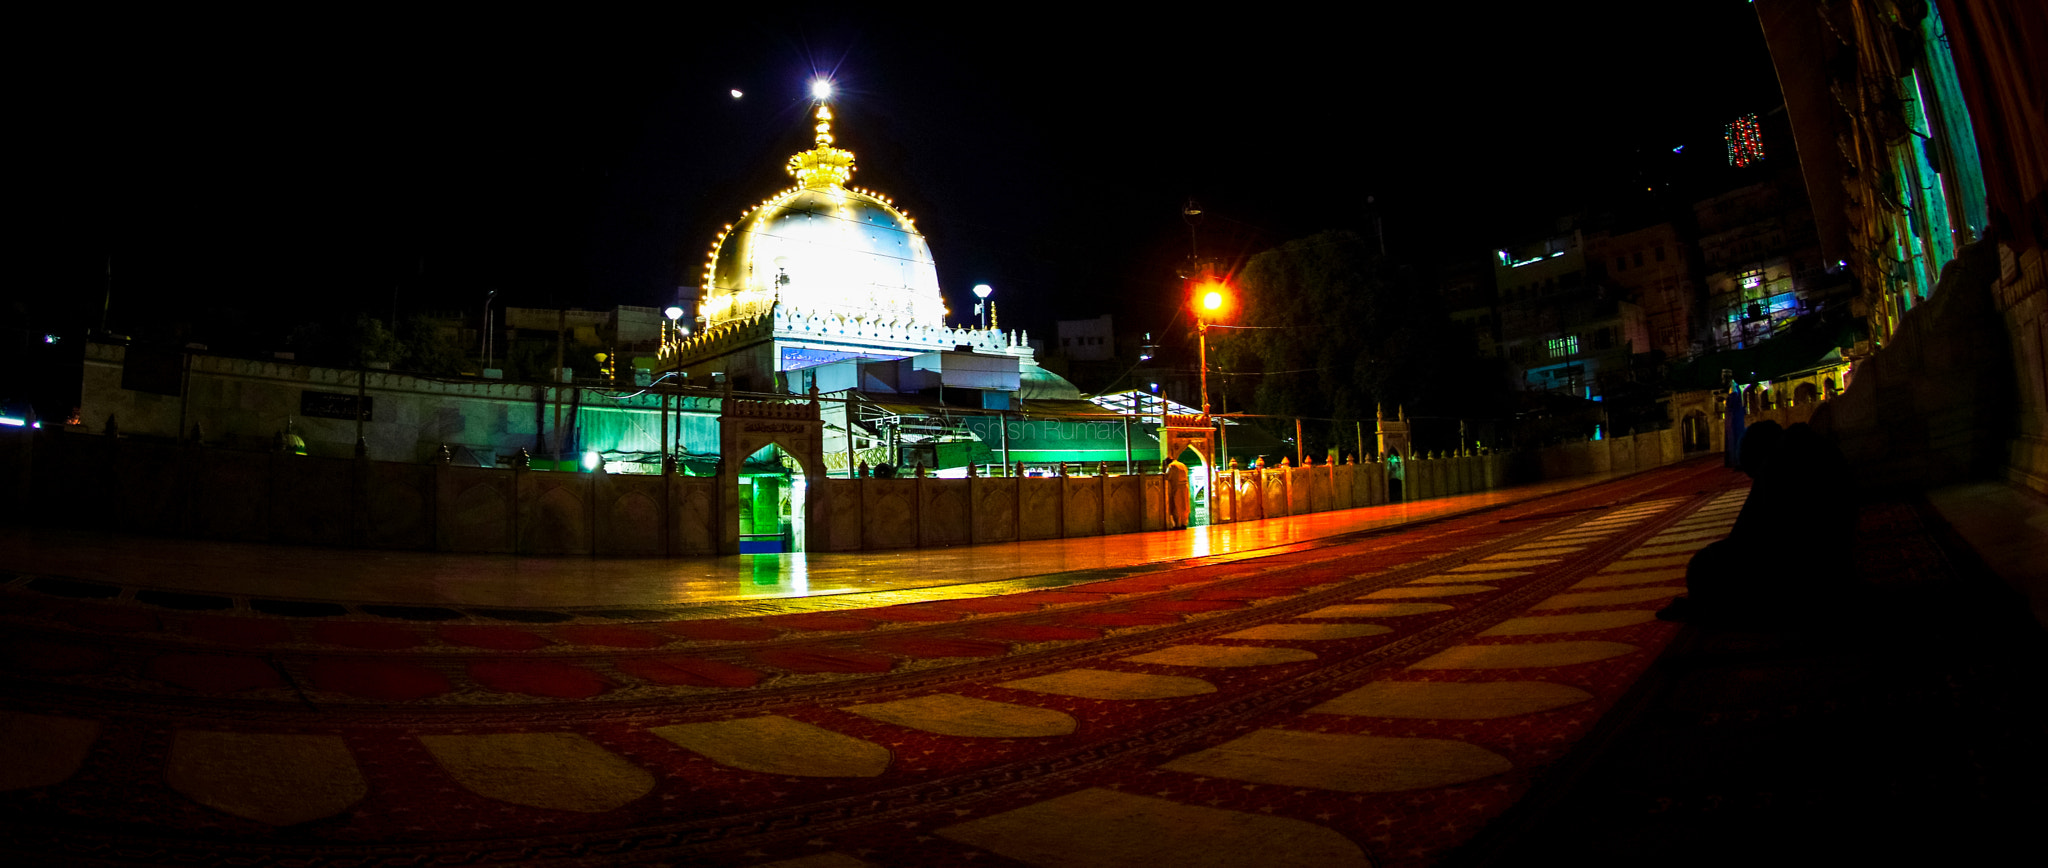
x,y
822,249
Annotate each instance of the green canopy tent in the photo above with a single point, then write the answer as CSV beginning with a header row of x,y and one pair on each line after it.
x,y
1050,440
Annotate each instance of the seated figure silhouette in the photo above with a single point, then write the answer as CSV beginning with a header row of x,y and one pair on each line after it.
x,y
1787,557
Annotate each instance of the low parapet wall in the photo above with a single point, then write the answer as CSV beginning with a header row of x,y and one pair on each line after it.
x,y
139,486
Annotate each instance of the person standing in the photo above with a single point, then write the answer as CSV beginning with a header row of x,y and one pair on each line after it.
x,y
1178,504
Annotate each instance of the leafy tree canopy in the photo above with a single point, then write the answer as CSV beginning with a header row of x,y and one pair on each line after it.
x,y
1336,329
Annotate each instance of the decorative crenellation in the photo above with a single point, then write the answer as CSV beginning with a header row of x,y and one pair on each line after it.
x,y
801,411
719,338
790,322
787,322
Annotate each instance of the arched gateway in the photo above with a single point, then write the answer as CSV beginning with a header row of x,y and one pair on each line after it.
x,y
1182,434
746,428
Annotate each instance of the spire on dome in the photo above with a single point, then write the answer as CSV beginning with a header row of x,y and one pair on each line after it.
x,y
823,166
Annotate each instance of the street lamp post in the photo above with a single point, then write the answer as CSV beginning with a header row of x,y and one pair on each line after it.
x,y
488,297
982,291
672,333
1211,305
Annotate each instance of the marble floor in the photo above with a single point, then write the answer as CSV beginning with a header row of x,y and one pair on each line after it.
x,y
425,578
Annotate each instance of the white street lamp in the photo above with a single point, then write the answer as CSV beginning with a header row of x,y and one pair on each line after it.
x,y
982,291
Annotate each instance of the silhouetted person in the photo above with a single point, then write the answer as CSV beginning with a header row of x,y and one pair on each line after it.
x,y
1178,503
1787,556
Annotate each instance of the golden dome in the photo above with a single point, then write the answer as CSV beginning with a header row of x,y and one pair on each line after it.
x,y
823,249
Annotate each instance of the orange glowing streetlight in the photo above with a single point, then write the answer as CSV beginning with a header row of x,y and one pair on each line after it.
x,y
1212,301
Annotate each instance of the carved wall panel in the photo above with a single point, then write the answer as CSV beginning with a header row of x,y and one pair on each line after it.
x,y
397,506
1251,495
315,497
696,522
1123,510
1084,506
629,514
1041,512
1650,449
1320,498
1273,488
842,514
554,513
230,495
1152,488
945,514
995,510
1597,457
890,513
146,488
476,511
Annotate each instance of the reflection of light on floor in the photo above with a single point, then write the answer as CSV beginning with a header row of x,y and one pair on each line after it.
x,y
787,572
798,574
1198,540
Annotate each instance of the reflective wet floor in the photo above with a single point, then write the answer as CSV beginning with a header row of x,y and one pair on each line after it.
x,y
433,579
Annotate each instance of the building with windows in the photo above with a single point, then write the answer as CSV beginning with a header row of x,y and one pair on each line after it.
x,y
1467,290
1762,260
1653,268
1560,329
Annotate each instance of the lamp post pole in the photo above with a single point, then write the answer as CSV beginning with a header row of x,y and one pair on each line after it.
x,y
671,337
982,291
1209,304
488,297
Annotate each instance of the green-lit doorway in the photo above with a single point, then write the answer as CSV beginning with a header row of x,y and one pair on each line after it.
x,y
771,500
1199,483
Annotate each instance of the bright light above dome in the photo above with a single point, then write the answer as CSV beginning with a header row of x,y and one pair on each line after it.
x,y
821,89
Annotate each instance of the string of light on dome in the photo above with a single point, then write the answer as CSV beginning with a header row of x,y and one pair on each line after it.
x,y
790,226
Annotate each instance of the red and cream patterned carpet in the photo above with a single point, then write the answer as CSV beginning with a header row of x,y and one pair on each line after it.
x,y
1401,698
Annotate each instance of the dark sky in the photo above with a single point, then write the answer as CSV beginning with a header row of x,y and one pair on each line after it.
x,y
292,166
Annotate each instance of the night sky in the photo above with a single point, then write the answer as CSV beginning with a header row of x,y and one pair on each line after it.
x,y
279,168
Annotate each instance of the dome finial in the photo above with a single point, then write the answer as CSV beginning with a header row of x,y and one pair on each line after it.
x,y
822,166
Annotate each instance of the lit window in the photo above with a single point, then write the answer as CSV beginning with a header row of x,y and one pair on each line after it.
x,y
1745,141
1564,346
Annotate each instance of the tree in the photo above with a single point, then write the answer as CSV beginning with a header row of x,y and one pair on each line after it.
x,y
370,342
428,348
1338,330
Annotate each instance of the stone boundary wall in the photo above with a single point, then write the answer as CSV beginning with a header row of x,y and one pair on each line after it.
x,y
246,403
140,486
